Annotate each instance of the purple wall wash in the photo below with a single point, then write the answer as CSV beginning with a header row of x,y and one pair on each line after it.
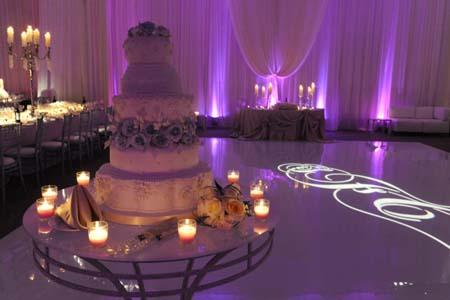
x,y
367,54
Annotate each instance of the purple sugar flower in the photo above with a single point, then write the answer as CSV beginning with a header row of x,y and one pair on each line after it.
x,y
128,127
139,142
120,142
160,140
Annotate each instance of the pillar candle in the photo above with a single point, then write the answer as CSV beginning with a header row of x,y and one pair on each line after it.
x,y
10,34
256,90
36,36
29,34
23,37
269,89
48,39
263,91
300,90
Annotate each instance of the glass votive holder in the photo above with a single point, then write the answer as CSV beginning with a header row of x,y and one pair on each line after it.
x,y
256,191
261,208
233,176
49,192
98,233
260,227
187,229
44,228
45,208
83,178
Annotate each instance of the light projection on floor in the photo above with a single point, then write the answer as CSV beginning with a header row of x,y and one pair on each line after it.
x,y
375,197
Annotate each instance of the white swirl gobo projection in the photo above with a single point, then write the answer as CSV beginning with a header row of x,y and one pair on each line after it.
x,y
373,197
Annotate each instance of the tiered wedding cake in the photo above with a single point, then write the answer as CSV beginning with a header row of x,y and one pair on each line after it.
x,y
154,170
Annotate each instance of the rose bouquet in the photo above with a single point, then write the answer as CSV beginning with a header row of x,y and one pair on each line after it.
x,y
222,207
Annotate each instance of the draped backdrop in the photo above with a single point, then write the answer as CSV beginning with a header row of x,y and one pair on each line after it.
x,y
364,56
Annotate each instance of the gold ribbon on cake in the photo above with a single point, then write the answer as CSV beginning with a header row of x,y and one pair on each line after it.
x,y
79,209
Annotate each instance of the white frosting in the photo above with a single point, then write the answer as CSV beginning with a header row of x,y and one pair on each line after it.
x,y
153,109
161,197
146,79
156,181
148,50
154,159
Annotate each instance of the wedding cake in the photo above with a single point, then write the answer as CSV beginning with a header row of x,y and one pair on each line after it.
x,y
154,170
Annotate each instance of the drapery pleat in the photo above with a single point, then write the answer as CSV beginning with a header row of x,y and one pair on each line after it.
x,y
276,36
367,55
79,63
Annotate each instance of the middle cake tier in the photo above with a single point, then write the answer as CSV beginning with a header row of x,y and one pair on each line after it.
x,y
154,134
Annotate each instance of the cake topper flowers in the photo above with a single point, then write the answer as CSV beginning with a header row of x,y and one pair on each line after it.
x,y
148,29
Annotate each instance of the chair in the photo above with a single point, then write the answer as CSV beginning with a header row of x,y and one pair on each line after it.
x,y
80,138
59,147
97,128
32,152
10,139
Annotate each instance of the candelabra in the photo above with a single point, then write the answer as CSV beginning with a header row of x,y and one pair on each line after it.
x,y
30,52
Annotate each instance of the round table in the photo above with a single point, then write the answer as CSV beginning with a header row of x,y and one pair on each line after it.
x,y
67,258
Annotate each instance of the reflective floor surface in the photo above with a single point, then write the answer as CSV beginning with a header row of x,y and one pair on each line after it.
x,y
358,220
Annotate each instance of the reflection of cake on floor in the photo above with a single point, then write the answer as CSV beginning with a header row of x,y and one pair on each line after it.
x,y
154,170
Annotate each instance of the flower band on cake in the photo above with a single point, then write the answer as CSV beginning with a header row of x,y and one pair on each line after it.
x,y
139,135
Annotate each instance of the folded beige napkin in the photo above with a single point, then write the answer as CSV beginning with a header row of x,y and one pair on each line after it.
x,y
80,209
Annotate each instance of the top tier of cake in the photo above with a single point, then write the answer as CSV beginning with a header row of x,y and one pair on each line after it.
x,y
148,51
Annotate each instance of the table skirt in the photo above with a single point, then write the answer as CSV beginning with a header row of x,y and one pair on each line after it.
x,y
255,124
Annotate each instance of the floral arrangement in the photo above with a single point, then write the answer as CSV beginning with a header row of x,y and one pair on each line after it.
x,y
148,29
139,135
222,207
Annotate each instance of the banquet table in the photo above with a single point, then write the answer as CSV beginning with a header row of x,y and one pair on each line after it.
x,y
260,124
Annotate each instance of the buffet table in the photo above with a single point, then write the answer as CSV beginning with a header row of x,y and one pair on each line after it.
x,y
261,124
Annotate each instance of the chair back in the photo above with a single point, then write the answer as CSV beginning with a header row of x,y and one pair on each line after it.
x,y
39,133
10,138
97,119
85,123
67,128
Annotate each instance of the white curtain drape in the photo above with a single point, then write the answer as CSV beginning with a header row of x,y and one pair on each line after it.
x,y
367,55
79,65
275,36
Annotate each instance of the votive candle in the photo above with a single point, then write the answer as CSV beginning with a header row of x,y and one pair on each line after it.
x,y
187,229
233,176
98,233
256,192
45,208
49,192
261,208
83,178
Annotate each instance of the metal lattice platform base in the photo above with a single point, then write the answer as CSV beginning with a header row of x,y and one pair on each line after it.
x,y
191,278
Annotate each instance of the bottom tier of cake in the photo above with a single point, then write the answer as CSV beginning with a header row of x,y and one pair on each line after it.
x,y
141,199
